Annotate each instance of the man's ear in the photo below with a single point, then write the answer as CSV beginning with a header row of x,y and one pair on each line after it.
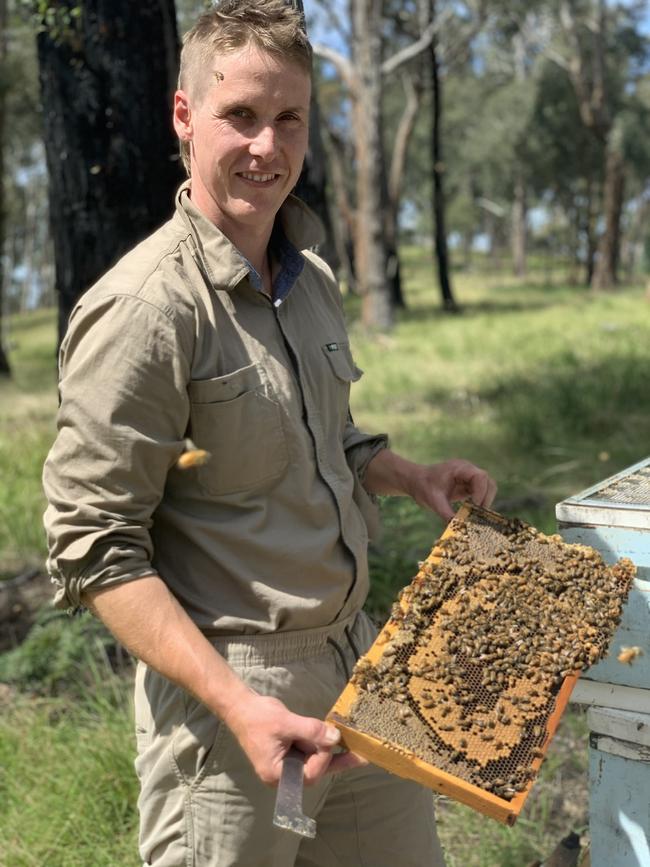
x,y
183,116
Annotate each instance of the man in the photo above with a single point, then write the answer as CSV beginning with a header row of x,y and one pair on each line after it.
x,y
238,584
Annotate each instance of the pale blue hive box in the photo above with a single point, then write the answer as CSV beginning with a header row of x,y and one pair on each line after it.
x,y
614,518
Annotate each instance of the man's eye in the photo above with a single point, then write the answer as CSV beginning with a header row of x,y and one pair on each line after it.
x,y
240,113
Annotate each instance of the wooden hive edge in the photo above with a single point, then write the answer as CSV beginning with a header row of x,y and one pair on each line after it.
x,y
405,764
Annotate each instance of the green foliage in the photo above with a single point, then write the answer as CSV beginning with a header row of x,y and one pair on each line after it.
x,y
187,11
61,20
60,654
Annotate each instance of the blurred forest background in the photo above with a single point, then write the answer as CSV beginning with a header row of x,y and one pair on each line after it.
x,y
483,171
499,134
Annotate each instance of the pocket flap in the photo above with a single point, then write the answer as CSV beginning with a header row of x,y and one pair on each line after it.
x,y
340,358
226,387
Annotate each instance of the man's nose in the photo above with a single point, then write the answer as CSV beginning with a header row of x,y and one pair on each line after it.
x,y
264,143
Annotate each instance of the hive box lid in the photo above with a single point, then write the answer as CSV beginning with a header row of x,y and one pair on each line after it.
x,y
622,500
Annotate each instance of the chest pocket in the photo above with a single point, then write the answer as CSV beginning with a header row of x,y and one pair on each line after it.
x,y
233,418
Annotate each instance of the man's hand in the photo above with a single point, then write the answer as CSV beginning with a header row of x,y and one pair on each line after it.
x,y
170,642
266,730
437,486
434,486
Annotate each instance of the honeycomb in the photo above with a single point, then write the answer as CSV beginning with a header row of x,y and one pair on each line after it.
x,y
466,682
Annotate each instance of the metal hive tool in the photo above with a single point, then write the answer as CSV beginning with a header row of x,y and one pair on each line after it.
x,y
466,683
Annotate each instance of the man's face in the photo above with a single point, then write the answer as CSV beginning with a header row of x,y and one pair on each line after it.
x,y
248,137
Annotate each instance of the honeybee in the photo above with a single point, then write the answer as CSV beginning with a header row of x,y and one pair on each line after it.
x,y
192,457
629,654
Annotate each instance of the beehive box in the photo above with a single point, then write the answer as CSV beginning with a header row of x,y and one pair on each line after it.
x,y
614,518
466,683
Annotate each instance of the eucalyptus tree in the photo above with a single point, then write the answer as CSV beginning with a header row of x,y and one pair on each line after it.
x,y
312,184
363,73
565,165
454,27
599,46
107,74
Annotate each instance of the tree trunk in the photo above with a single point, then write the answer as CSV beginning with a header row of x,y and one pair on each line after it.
x,y
393,270
519,212
590,233
519,227
394,185
343,217
587,71
442,249
608,254
312,183
575,221
370,253
5,369
112,157
431,74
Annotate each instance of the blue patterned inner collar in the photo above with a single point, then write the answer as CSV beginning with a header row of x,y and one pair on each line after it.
x,y
291,265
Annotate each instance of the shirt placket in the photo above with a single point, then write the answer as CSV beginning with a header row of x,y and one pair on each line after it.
x,y
311,417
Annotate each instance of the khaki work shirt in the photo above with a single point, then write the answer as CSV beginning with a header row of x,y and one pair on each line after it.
x,y
175,341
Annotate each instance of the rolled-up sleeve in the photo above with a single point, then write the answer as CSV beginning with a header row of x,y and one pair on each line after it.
x,y
360,448
125,364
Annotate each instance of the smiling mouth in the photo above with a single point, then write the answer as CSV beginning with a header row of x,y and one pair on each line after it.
x,y
258,177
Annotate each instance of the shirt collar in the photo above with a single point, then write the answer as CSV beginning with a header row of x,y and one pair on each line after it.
x,y
296,228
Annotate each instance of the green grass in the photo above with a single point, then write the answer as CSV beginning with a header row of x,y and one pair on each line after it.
x,y
67,783
544,385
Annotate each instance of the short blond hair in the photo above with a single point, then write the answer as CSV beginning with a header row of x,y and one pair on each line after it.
x,y
274,26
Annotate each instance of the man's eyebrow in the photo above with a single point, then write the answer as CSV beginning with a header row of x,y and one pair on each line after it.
x,y
250,106
235,103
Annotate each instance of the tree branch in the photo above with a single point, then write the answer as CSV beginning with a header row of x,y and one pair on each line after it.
x,y
404,130
461,45
343,66
410,51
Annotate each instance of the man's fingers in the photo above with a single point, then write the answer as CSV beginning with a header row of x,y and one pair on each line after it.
x,y
479,484
345,761
483,489
330,763
491,494
316,765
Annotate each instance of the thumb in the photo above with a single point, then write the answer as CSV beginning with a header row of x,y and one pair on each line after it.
x,y
314,735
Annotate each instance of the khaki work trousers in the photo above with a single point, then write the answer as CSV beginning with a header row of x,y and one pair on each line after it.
x,y
201,805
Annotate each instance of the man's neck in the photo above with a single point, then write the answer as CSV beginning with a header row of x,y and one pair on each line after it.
x,y
251,241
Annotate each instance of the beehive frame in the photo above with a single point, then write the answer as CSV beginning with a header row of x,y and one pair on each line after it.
x,y
471,748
